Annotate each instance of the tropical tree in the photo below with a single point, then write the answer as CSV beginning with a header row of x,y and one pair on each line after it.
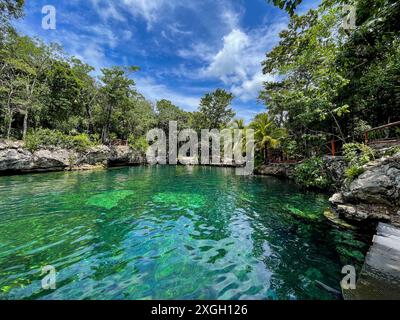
x,y
10,9
288,5
167,111
88,91
24,63
215,109
116,91
267,135
238,124
305,93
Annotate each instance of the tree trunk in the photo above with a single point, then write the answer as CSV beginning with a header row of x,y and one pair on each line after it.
x,y
106,128
25,127
266,160
10,120
90,119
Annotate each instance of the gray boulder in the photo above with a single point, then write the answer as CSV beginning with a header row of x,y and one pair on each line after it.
x,y
373,195
283,170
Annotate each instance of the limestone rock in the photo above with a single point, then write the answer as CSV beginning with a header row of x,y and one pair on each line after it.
x,y
283,170
52,159
95,155
14,158
373,195
125,155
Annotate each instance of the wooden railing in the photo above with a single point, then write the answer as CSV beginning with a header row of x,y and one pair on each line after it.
x,y
119,142
385,140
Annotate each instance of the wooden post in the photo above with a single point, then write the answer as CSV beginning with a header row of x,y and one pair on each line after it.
x,y
333,145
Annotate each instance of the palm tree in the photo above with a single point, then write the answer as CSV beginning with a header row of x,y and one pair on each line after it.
x,y
238,124
267,134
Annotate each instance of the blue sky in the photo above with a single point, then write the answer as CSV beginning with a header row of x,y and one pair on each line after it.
x,y
185,48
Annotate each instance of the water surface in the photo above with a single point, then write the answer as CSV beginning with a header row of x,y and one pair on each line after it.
x,y
168,233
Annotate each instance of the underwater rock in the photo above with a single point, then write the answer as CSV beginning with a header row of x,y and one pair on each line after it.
x,y
183,200
110,199
334,218
302,214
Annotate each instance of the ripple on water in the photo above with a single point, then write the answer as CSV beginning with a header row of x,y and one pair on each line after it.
x,y
168,233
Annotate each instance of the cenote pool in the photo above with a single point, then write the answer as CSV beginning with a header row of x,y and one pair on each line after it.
x,y
168,233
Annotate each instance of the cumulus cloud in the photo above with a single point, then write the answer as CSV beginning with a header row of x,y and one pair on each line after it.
x,y
249,88
238,62
155,91
227,63
107,10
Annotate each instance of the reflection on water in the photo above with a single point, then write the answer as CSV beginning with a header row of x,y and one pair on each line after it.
x,y
168,233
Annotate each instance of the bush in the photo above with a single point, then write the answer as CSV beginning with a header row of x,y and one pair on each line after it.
x,y
392,151
311,174
138,144
80,142
353,172
357,155
46,138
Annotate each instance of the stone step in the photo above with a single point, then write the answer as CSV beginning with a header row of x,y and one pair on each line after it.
x,y
380,276
387,230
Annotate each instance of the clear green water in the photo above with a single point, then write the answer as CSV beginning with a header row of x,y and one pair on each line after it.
x,y
168,233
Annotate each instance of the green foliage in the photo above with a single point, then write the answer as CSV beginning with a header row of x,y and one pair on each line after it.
x,y
53,138
138,144
353,172
356,155
167,111
215,109
10,9
392,151
267,135
80,142
311,174
335,83
288,5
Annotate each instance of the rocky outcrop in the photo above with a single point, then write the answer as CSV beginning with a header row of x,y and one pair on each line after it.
x,y
14,158
374,195
334,168
281,170
122,155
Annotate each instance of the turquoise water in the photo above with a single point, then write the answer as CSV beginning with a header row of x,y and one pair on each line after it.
x,y
168,233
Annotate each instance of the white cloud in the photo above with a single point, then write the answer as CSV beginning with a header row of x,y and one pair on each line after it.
x,y
155,91
238,62
153,10
148,9
249,88
231,18
107,10
227,64
199,50
103,34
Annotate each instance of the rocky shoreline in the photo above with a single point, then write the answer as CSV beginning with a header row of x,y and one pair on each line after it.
x,y
374,196
16,159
